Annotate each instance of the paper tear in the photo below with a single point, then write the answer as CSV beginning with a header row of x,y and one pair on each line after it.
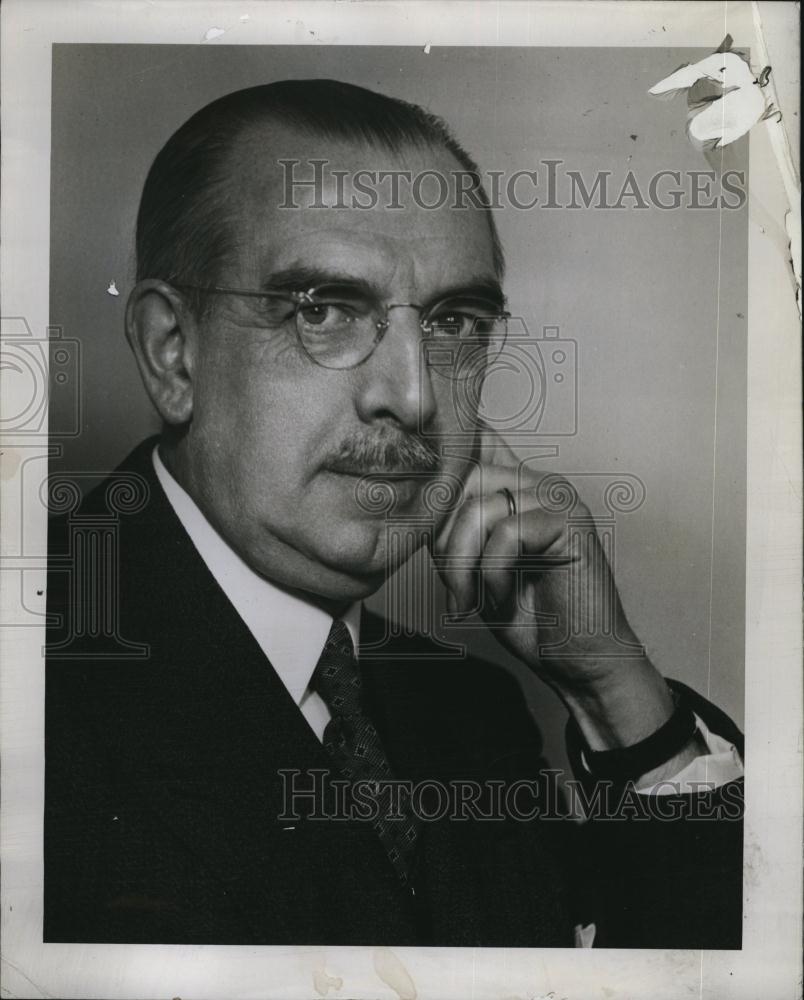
x,y
323,981
213,33
394,974
427,49
733,103
112,289
786,162
792,224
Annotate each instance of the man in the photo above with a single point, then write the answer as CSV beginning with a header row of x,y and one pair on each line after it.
x,y
279,335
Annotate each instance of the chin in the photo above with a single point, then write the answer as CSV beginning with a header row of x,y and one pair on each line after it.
x,y
356,558
340,562
357,548
334,555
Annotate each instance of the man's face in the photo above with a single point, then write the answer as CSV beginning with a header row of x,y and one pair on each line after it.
x,y
277,444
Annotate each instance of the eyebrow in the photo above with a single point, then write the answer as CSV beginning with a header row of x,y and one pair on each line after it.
x,y
301,277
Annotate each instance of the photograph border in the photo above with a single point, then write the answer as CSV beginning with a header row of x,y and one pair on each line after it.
x,y
769,963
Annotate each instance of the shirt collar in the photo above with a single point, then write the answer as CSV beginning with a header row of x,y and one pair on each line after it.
x,y
290,631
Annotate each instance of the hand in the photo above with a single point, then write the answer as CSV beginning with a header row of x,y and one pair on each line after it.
x,y
542,583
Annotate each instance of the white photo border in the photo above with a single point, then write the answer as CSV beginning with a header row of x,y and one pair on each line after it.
x,y
769,963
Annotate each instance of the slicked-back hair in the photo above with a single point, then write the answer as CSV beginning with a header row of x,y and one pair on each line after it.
x,y
184,235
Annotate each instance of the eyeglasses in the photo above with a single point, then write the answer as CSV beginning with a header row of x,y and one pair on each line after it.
x,y
339,326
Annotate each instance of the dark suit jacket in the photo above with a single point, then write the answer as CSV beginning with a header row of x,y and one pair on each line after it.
x,y
163,813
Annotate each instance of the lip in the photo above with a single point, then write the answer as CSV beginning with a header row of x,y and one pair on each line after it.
x,y
404,487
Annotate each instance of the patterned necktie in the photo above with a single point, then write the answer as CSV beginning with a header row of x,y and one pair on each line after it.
x,y
352,742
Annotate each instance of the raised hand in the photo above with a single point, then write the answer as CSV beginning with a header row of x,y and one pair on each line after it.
x,y
545,588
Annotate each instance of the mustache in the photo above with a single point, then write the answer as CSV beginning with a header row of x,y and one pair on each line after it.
x,y
397,454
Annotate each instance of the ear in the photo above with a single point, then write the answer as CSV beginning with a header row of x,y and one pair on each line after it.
x,y
163,336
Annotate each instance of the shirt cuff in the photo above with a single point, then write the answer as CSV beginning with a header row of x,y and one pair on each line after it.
x,y
721,765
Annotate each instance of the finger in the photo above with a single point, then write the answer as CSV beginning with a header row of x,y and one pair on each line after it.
x,y
458,559
532,532
486,480
494,450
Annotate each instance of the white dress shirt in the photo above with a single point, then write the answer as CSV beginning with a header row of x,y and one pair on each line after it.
x,y
292,632
289,630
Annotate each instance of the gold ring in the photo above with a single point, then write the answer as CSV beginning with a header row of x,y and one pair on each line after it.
x,y
509,496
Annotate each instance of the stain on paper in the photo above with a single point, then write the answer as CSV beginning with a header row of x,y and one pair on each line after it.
x,y
323,982
10,459
394,974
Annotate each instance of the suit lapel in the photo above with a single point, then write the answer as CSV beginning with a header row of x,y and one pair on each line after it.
x,y
220,729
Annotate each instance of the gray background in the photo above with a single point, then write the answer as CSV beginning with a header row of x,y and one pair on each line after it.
x,y
644,293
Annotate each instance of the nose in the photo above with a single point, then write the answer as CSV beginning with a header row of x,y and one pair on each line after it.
x,y
396,384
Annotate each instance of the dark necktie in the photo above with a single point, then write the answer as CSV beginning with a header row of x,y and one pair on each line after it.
x,y
354,746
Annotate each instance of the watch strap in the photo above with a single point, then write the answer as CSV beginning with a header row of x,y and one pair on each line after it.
x,y
629,763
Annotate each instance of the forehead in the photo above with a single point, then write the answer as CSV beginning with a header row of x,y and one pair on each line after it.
x,y
412,240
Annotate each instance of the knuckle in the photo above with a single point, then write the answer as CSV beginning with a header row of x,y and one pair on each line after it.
x,y
510,530
471,508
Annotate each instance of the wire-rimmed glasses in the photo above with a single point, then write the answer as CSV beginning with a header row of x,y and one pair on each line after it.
x,y
338,325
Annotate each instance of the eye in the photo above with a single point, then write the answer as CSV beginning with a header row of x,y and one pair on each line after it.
x,y
450,323
327,316
468,318
320,313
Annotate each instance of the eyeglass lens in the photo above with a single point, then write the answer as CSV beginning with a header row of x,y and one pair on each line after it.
x,y
338,327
